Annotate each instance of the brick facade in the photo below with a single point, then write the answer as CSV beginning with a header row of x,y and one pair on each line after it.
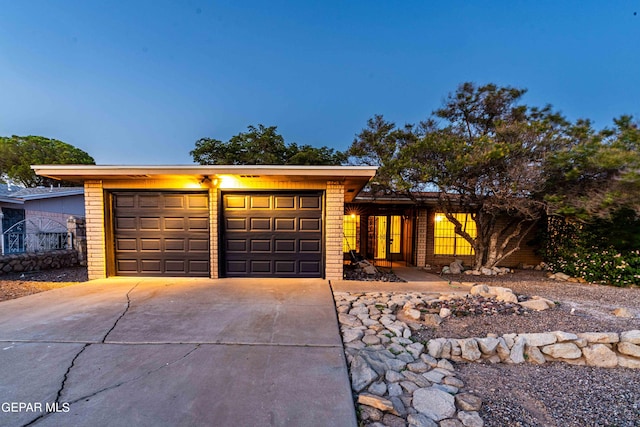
x,y
334,214
94,213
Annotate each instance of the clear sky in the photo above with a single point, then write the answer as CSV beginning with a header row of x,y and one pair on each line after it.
x,y
139,81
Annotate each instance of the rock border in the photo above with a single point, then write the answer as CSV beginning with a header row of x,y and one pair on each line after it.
x,y
399,382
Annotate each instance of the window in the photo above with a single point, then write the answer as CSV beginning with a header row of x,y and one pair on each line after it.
x,y
350,238
446,241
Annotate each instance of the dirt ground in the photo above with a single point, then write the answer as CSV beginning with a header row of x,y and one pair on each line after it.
x,y
554,394
18,285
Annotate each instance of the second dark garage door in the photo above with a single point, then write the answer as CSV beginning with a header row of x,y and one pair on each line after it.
x,y
272,235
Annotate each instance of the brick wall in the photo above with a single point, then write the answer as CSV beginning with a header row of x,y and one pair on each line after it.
x,y
421,238
333,230
213,232
94,213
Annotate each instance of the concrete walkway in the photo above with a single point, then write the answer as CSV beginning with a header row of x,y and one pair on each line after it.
x,y
175,352
417,280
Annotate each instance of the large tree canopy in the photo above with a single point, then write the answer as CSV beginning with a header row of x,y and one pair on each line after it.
x,y
505,163
18,153
262,146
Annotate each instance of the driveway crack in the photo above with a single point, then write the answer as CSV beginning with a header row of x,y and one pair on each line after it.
x,y
84,347
63,384
146,374
123,313
111,387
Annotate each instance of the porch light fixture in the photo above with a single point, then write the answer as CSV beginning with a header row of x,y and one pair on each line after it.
x,y
205,180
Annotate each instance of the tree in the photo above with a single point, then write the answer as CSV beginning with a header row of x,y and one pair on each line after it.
x,y
483,153
597,174
262,146
18,153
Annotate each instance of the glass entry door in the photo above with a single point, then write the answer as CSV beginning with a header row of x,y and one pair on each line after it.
x,y
385,237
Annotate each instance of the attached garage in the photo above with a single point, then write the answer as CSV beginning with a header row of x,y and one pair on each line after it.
x,y
215,220
272,234
160,233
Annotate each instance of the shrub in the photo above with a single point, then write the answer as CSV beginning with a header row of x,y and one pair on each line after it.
x,y
587,251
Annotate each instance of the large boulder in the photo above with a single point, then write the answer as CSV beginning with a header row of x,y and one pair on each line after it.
x,y
565,350
631,336
600,355
434,403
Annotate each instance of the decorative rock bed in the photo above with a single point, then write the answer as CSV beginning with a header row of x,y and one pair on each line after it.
x,y
398,382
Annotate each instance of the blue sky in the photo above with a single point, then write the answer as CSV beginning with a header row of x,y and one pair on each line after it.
x,y
138,82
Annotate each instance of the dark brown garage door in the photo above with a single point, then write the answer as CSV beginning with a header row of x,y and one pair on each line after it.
x,y
161,233
272,235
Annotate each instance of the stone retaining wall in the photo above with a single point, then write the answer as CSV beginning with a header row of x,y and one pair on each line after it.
x,y
601,349
18,263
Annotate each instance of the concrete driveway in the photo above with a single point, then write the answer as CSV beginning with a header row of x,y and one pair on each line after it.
x,y
175,352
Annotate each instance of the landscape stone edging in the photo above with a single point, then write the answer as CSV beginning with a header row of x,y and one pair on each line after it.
x,y
400,382
21,263
599,349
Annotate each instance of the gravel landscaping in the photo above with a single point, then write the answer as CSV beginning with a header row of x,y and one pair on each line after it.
x,y
526,394
18,285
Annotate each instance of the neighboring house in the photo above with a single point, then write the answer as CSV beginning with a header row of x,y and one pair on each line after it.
x,y
215,221
46,207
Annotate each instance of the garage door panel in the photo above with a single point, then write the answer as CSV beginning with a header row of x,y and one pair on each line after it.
x,y
125,202
125,223
174,245
150,266
285,202
260,202
198,224
150,224
261,246
260,266
236,245
150,201
309,267
310,246
260,224
236,224
237,267
284,224
285,267
154,245
127,245
127,265
160,233
272,235
174,202
198,245
174,224
310,224
235,202
310,202
285,245
197,201
175,266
